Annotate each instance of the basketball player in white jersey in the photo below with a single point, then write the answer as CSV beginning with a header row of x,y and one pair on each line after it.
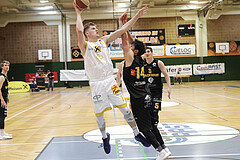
x,y
99,70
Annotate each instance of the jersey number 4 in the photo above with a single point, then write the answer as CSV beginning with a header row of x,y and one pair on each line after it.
x,y
140,72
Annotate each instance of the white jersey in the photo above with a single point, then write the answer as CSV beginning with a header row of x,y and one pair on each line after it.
x,y
97,61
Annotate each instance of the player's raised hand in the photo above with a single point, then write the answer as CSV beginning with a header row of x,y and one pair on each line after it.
x,y
123,17
77,9
142,11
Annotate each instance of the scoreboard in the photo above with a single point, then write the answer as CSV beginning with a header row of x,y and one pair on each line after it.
x,y
186,29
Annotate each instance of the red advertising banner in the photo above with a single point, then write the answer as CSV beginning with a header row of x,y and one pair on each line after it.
x,y
29,77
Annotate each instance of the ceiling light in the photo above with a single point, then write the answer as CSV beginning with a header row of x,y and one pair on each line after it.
x,y
44,1
122,5
193,2
48,12
43,8
198,2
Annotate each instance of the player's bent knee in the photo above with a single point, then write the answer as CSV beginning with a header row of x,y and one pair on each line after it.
x,y
127,114
129,117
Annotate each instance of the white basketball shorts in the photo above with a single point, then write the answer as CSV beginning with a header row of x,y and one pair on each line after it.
x,y
105,92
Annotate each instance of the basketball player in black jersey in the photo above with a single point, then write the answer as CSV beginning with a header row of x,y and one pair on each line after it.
x,y
152,72
133,76
4,99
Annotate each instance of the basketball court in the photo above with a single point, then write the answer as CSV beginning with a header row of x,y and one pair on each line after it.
x,y
198,41
203,124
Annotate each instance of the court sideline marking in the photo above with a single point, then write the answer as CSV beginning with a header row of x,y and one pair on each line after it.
x,y
31,107
197,108
218,94
183,156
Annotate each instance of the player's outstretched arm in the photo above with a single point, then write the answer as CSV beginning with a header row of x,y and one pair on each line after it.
x,y
167,78
80,29
126,26
122,20
128,53
119,74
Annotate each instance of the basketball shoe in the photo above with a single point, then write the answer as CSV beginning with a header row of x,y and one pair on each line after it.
x,y
106,145
6,135
162,155
168,151
143,140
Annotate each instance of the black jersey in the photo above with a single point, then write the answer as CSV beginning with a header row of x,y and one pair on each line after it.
x,y
4,88
153,75
50,75
133,77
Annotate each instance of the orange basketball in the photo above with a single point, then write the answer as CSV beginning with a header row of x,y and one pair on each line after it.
x,y
83,4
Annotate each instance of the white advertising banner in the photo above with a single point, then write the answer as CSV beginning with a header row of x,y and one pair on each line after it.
x,y
176,50
204,69
179,70
73,75
158,50
116,53
77,75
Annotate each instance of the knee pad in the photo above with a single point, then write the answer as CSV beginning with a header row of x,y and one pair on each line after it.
x,y
127,114
101,122
129,117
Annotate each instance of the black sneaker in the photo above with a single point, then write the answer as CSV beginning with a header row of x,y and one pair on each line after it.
x,y
106,145
143,140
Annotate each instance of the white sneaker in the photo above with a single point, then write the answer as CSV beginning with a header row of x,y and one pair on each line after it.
x,y
7,136
162,155
168,151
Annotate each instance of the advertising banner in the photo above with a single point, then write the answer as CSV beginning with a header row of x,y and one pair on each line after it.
x,y
18,86
205,69
73,75
179,70
77,75
29,77
176,50
149,37
76,54
158,50
218,49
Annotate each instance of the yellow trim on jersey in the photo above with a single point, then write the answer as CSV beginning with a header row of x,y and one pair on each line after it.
x,y
120,106
94,41
85,49
104,42
106,109
90,88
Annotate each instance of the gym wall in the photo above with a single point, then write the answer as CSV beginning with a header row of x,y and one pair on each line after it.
x,y
20,42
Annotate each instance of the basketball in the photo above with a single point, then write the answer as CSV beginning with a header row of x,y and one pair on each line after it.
x,y
82,4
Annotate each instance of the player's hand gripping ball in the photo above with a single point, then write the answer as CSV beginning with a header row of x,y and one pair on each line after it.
x,y
82,4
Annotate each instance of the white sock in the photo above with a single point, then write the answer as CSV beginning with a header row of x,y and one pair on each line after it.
x,y
104,134
1,132
135,131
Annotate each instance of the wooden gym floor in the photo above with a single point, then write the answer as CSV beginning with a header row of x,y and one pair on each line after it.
x,y
35,118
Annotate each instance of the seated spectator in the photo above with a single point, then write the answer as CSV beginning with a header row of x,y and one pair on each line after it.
x,y
68,85
179,78
34,87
